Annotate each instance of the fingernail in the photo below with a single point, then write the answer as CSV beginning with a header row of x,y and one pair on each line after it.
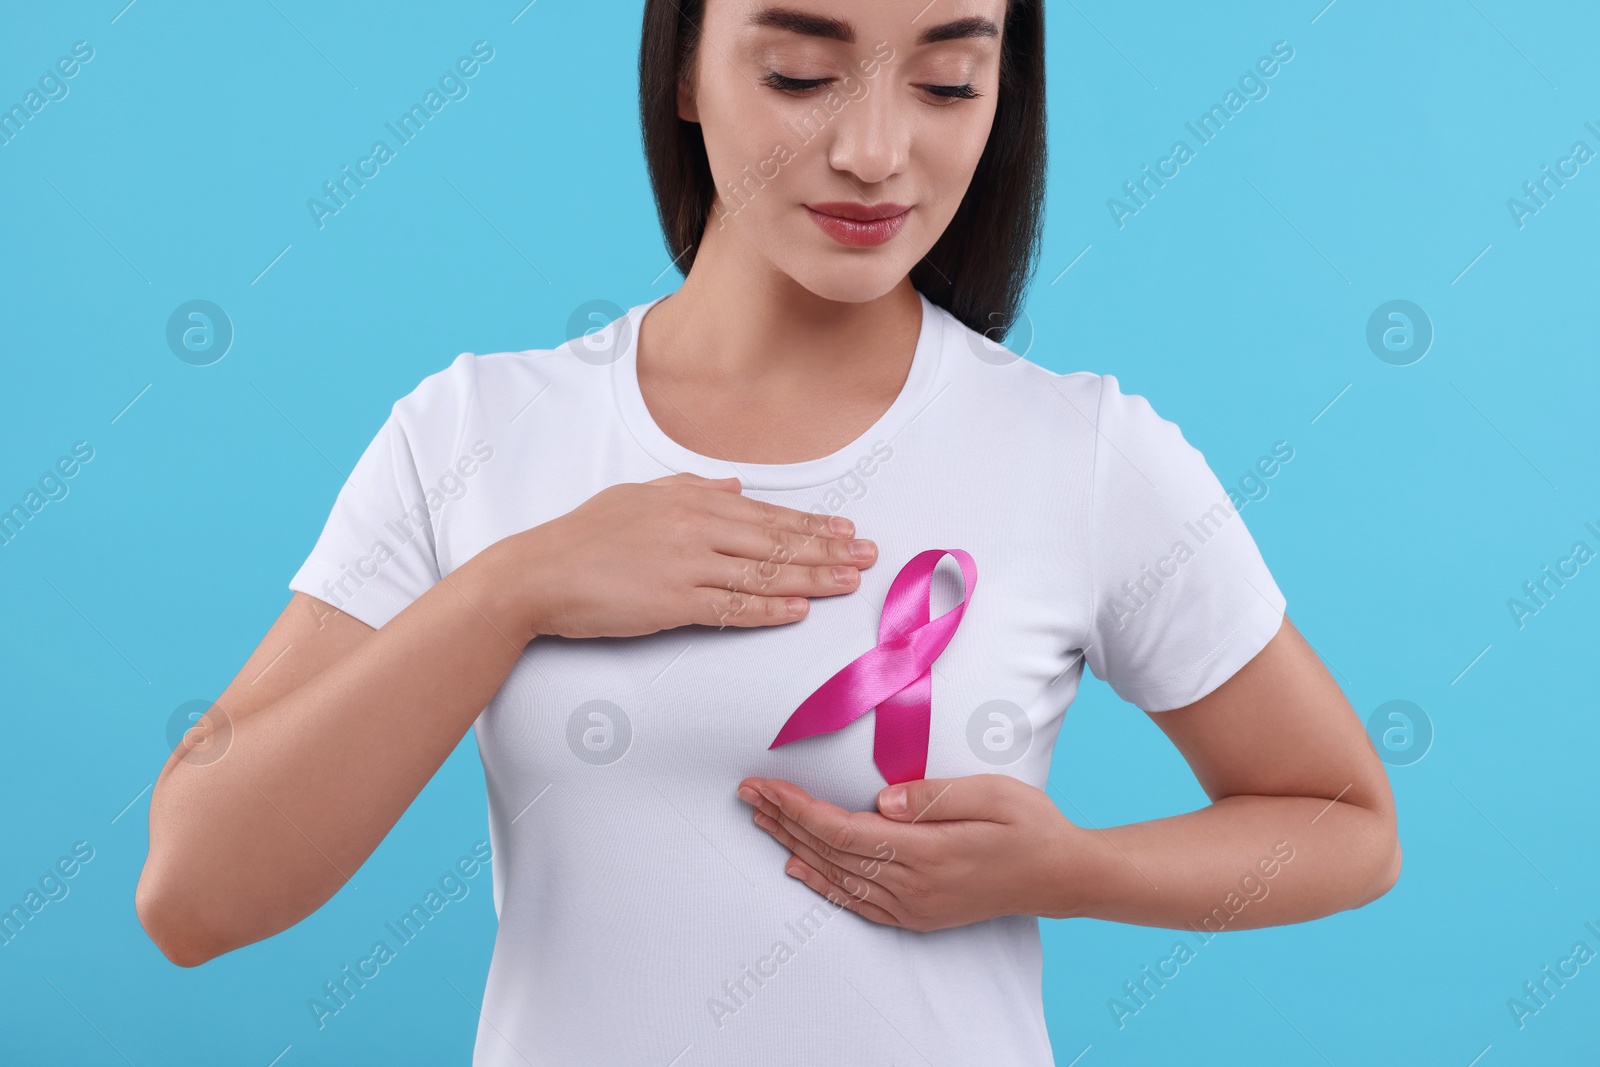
x,y
747,794
861,549
768,794
892,801
792,872
841,526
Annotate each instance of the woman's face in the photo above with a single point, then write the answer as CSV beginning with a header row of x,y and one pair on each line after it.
x,y
814,104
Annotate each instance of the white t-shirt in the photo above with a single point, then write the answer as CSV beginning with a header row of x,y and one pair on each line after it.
x,y
642,915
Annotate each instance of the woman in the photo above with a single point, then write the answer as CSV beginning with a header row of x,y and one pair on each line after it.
x,y
626,562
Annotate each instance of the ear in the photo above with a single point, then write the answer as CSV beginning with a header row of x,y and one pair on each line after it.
x,y
686,106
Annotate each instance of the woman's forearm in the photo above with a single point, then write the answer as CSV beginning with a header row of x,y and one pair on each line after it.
x,y
249,844
1239,863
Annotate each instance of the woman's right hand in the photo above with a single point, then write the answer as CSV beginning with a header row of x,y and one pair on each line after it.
x,y
639,557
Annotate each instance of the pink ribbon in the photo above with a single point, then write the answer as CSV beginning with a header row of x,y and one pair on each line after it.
x,y
895,676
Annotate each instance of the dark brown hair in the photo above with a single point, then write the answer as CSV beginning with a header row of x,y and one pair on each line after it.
x,y
984,259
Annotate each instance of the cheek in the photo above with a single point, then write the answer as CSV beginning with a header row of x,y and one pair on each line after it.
x,y
735,122
731,131
946,161
960,146
753,158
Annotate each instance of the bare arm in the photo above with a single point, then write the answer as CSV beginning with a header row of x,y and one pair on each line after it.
x,y
332,728
1302,820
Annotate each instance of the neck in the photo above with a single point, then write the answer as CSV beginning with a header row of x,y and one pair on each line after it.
x,y
737,318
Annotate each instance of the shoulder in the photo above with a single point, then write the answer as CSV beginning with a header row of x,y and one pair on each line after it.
x,y
1007,373
496,387
1078,403
1092,424
1124,415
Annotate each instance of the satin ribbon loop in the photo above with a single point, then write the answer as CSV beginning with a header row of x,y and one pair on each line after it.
x,y
894,676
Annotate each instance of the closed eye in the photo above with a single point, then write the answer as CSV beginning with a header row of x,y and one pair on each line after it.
x,y
785,84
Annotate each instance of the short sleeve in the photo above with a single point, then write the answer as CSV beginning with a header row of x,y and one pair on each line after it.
x,y
1182,597
377,552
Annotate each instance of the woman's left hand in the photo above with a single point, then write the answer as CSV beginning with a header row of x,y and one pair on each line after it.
x,y
955,851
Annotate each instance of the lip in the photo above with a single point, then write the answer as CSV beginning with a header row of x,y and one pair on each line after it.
x,y
859,225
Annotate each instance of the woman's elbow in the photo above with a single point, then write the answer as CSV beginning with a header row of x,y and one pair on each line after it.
x,y
166,923
1388,872
1391,874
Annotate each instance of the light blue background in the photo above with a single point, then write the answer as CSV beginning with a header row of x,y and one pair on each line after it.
x,y
1416,505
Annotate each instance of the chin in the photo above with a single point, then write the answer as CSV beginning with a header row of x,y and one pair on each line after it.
x,y
848,279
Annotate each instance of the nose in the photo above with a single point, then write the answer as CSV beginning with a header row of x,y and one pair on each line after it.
x,y
871,135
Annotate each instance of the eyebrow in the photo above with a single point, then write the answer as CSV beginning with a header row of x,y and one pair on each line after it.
x,y
810,25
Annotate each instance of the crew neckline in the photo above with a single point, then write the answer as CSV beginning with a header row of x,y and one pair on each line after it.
x,y
805,474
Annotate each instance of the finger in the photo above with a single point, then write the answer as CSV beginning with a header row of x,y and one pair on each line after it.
x,y
860,889
690,476
974,796
768,545
854,881
865,908
883,865
752,530
725,607
766,514
843,836
778,579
